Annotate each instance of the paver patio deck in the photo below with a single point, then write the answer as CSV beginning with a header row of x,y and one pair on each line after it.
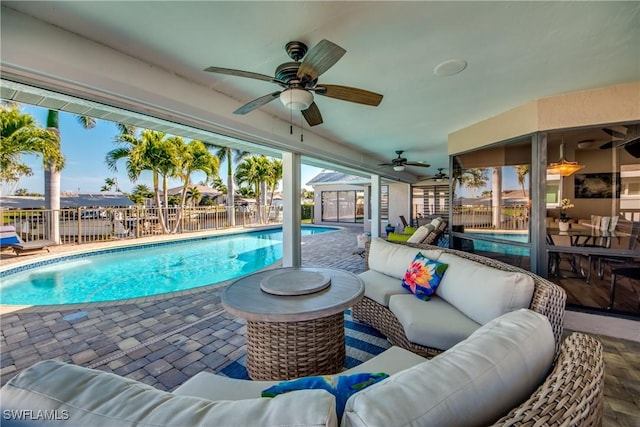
x,y
164,340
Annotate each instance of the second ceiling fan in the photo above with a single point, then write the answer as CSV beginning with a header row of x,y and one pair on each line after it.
x,y
300,81
400,162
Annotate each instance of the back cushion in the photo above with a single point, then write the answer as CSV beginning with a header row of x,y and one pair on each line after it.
x,y
482,292
420,234
393,259
96,398
472,384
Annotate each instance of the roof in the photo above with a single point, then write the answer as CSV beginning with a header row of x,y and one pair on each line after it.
x,y
324,178
68,201
203,189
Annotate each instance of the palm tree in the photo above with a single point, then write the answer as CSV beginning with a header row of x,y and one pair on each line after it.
x,y
194,195
154,152
273,178
110,184
522,171
254,171
52,172
230,155
140,194
192,157
19,134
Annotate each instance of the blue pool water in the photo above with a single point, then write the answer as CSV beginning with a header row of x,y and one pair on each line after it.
x,y
153,269
502,248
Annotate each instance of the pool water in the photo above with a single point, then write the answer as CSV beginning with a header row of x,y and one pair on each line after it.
x,y
502,248
143,271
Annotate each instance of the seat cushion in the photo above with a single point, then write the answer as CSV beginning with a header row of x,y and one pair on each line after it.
x,y
472,384
482,292
95,398
434,323
379,287
393,259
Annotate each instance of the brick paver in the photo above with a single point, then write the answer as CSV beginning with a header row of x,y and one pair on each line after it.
x,y
162,341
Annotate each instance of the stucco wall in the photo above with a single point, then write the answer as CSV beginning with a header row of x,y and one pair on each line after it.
x,y
613,104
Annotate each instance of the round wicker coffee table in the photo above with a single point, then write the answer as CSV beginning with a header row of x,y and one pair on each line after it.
x,y
295,319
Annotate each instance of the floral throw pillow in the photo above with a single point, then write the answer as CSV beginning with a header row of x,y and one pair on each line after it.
x,y
423,276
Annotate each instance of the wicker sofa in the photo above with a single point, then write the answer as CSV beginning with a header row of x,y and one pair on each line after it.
x,y
501,372
548,299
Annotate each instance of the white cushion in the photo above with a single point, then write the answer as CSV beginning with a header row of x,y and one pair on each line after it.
x,y
390,361
379,287
217,387
95,398
434,323
482,292
472,384
393,259
420,234
206,385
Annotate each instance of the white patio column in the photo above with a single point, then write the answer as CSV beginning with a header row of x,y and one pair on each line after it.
x,y
375,205
292,211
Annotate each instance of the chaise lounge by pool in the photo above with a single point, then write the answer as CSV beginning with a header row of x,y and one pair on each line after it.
x,y
143,270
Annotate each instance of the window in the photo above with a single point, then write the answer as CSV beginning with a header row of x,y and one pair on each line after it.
x,y
427,201
342,206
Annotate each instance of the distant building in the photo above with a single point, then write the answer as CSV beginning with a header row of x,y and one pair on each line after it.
x,y
69,200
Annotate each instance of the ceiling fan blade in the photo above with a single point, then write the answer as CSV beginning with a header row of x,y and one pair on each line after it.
x,y
312,115
607,145
248,74
319,59
424,165
614,133
633,147
258,102
351,94
385,164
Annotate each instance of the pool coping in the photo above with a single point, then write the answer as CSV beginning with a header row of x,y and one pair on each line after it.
x,y
120,245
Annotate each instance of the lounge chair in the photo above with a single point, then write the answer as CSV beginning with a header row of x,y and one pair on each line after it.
x,y
10,239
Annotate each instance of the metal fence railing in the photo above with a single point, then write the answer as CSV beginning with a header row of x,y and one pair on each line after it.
x,y
83,225
512,217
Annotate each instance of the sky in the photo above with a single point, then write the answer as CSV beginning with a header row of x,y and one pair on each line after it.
x,y
85,150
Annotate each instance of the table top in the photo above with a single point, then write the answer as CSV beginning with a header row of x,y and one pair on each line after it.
x,y
586,232
245,298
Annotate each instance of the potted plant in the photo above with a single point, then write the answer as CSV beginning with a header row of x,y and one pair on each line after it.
x,y
390,228
565,204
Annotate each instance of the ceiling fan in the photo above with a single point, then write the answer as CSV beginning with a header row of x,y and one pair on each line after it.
x,y
300,81
630,139
440,176
400,162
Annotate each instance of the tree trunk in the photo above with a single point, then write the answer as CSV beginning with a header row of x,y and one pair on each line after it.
x,y
231,209
52,184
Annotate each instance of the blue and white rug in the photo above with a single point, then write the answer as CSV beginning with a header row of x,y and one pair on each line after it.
x,y
362,342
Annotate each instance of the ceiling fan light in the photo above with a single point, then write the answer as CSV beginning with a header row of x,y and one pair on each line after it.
x,y
296,99
398,168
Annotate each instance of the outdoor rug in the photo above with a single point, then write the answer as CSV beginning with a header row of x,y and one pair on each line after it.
x,y
362,343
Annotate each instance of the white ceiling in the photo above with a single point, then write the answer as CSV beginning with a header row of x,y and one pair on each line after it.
x,y
516,52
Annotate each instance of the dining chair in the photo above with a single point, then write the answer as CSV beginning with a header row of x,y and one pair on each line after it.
x,y
634,245
631,273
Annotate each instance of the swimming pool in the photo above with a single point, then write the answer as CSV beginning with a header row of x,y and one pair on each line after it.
x,y
145,270
501,248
